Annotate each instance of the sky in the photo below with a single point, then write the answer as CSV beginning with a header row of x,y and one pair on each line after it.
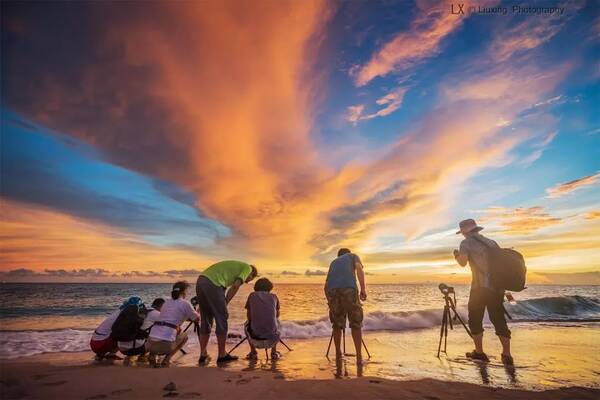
x,y
143,142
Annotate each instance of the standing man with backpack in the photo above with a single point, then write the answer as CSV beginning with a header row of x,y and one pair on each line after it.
x,y
485,293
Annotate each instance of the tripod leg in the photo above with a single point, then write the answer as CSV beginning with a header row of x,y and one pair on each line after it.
x,y
344,338
457,315
329,347
448,320
442,332
236,346
365,346
288,347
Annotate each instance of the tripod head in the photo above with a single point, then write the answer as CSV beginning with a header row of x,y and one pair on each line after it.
x,y
445,289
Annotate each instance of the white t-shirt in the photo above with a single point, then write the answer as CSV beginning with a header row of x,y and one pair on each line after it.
x,y
103,330
174,312
152,317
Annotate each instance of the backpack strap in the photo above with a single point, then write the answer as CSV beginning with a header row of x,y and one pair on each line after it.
x,y
162,323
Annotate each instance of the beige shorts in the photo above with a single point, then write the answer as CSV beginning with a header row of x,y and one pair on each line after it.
x,y
164,346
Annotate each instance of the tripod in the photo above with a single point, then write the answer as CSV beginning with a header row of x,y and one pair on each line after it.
x,y
246,338
344,344
447,318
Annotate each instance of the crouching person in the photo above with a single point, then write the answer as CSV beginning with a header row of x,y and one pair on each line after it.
x,y
262,328
103,342
165,336
137,346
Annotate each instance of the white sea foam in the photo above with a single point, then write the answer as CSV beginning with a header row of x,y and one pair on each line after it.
x,y
567,308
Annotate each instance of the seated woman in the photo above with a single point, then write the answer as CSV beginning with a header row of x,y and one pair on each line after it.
x,y
102,343
262,327
137,347
166,336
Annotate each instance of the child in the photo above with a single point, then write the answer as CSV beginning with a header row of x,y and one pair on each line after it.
x,y
263,313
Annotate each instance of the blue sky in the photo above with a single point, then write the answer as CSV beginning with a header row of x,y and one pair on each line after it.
x,y
277,134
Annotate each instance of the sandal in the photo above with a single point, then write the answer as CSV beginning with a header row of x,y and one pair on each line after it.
x,y
275,355
113,356
252,355
507,360
226,358
474,355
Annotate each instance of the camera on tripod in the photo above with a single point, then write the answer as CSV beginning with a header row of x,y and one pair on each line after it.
x,y
450,314
194,301
445,289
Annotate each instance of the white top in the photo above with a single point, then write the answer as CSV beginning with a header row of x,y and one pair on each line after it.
x,y
152,317
103,330
174,312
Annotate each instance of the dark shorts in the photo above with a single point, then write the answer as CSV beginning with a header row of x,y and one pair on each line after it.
x,y
211,299
481,299
344,303
136,351
101,347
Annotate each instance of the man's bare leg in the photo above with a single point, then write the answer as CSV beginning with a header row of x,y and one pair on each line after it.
x,y
478,340
337,340
221,344
357,338
505,345
167,359
204,343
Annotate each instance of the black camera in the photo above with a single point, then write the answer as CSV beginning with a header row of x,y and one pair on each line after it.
x,y
445,289
194,301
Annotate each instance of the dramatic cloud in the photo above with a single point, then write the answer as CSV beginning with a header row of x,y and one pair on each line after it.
x,y
571,186
408,48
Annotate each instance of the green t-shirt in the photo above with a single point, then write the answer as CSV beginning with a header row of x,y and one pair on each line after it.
x,y
224,273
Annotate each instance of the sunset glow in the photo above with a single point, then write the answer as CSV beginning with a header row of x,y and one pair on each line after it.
x,y
144,143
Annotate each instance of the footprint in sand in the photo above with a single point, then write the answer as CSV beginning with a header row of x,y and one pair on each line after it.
x,y
243,381
171,394
97,397
57,383
190,395
121,391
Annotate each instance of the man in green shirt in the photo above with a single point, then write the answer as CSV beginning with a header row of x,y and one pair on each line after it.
x,y
213,298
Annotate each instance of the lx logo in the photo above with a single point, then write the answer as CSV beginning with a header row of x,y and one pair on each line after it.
x,y
459,11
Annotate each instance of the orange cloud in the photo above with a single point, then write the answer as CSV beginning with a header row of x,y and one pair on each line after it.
x,y
39,238
571,186
406,49
519,221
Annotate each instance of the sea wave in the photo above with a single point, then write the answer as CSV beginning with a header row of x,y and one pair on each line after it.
x,y
548,309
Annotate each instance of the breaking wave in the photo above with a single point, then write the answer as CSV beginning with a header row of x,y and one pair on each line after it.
x,y
548,309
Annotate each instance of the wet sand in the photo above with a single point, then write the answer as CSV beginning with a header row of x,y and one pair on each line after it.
x,y
553,362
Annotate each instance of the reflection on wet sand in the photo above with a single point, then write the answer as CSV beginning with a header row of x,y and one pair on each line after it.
x,y
540,357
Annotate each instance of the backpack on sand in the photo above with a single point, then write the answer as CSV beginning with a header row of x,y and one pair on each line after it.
x,y
127,325
507,268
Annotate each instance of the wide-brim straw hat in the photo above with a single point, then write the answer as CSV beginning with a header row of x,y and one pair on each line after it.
x,y
468,225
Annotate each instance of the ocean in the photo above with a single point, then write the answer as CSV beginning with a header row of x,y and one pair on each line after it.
x,y
40,318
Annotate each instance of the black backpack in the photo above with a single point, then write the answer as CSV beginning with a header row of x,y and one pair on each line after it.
x,y
506,268
127,325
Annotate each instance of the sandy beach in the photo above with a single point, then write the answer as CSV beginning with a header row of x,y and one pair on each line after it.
x,y
403,365
40,379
